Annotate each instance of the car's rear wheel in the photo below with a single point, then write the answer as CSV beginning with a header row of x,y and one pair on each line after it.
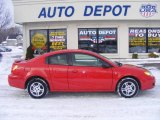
x,y
128,87
37,88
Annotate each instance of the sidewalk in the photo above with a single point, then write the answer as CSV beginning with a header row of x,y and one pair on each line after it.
x,y
138,61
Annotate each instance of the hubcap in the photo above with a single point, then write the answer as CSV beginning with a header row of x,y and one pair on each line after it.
x,y
128,88
36,89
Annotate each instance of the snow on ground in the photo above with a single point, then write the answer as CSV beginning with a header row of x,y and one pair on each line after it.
x,y
16,104
8,58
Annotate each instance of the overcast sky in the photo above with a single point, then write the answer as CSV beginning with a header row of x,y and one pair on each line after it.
x,y
9,5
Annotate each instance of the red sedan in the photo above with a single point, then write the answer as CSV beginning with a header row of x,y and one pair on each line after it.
x,y
78,71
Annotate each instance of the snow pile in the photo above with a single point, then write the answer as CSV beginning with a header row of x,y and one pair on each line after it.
x,y
8,58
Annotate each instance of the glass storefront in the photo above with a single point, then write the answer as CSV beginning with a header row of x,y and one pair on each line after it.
x,y
144,40
100,40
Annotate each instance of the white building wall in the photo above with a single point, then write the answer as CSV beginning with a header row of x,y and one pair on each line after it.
x,y
27,11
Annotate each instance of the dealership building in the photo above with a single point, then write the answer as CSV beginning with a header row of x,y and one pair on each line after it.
x,y
113,29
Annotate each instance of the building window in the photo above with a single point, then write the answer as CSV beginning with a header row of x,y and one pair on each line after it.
x,y
144,40
57,39
48,40
100,40
39,41
154,40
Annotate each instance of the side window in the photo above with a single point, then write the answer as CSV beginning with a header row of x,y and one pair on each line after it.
x,y
86,60
60,59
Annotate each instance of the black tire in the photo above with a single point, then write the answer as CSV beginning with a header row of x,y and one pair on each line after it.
x,y
128,87
37,88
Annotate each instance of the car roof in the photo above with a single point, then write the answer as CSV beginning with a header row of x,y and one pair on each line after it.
x,y
71,51
64,51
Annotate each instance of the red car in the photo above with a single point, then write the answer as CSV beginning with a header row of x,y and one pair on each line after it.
x,y
78,71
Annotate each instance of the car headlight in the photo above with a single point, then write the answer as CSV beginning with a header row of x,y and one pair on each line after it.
x,y
14,67
148,73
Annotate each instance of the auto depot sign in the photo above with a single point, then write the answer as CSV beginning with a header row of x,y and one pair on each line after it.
x,y
97,10
58,11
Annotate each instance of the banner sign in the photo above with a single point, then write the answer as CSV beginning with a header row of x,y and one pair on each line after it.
x,y
154,37
137,36
39,40
57,39
106,34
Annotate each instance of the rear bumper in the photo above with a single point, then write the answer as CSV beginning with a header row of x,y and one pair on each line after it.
x,y
16,81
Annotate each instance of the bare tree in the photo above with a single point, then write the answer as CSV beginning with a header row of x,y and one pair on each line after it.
x,y
5,20
15,30
5,15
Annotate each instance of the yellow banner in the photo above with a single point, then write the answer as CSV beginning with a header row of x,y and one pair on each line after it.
x,y
39,40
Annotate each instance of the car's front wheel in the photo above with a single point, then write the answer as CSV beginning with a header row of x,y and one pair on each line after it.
x,y
37,88
128,87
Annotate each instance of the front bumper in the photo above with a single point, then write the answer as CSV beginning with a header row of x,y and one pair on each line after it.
x,y
16,81
148,83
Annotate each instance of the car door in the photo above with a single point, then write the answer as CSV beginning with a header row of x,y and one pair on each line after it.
x,y
58,67
87,74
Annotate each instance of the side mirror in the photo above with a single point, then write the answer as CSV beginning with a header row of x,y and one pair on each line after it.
x,y
118,63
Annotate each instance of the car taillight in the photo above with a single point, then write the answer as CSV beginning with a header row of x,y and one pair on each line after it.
x,y
17,69
14,68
